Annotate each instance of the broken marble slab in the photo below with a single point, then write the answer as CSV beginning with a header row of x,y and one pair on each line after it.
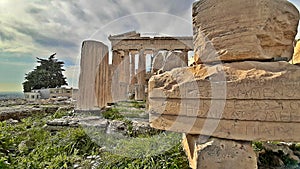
x,y
242,101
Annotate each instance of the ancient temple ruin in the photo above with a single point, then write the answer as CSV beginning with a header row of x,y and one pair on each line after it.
x,y
101,83
241,87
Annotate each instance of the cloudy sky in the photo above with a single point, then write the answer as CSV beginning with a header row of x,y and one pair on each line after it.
x,y
39,28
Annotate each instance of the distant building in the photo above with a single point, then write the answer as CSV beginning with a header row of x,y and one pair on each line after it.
x,y
32,96
51,93
44,93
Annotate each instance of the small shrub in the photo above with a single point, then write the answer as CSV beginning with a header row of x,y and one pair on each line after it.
x,y
257,146
59,114
112,114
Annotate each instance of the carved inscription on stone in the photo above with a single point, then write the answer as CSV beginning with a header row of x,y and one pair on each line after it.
x,y
230,129
257,110
253,101
247,89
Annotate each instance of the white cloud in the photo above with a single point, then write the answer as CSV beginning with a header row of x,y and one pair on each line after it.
x,y
72,74
40,28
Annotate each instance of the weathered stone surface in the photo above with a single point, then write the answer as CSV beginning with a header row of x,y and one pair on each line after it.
x,y
102,78
141,77
121,75
238,30
229,129
243,80
220,153
109,84
168,61
92,54
133,41
244,101
125,76
296,56
174,60
158,62
140,92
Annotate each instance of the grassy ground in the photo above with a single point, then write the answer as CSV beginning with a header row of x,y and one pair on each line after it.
x,y
28,145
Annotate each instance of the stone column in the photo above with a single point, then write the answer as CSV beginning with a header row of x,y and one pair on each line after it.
x,y
141,80
154,53
92,54
132,64
132,72
116,61
102,80
124,75
185,57
109,84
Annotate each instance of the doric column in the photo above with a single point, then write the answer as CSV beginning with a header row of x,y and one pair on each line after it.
x,y
154,53
116,58
91,81
132,63
185,57
125,76
127,65
132,72
101,81
140,87
109,84
116,61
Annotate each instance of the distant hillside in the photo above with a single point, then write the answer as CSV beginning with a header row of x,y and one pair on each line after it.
x,y
11,95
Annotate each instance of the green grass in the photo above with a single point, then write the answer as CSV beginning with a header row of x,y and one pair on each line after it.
x,y
28,145
173,158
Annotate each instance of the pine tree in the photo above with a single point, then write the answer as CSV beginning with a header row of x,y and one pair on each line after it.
x,y
48,74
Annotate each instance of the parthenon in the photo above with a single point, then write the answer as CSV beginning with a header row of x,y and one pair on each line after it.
x,y
126,76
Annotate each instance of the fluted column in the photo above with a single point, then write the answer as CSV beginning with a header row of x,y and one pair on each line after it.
x,y
125,76
185,57
109,84
132,72
93,69
141,80
155,52
116,61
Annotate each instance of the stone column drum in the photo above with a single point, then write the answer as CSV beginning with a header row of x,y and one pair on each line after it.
x,y
132,73
102,79
116,61
92,55
141,77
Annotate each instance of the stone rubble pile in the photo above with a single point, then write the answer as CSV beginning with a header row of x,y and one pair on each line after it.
x,y
109,126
